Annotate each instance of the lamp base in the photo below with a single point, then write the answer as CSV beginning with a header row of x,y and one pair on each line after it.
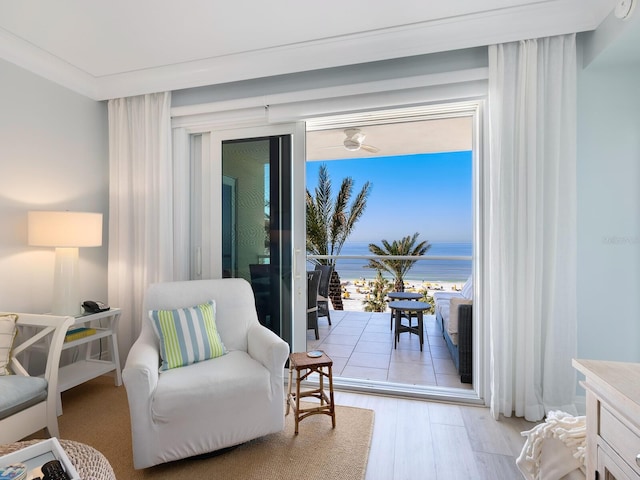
x,y
66,283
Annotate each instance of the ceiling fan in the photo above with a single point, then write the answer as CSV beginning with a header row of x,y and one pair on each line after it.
x,y
354,141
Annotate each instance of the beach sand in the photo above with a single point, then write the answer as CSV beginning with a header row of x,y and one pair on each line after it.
x,y
357,290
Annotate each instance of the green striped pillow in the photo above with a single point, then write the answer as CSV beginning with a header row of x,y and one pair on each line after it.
x,y
187,335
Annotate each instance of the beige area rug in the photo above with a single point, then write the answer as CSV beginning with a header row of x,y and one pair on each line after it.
x,y
97,413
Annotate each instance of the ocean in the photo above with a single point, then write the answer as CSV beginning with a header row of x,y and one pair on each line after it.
x,y
422,270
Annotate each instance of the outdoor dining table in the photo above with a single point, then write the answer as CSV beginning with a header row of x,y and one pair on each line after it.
x,y
401,296
399,307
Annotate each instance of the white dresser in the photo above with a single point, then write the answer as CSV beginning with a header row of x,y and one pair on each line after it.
x,y
613,419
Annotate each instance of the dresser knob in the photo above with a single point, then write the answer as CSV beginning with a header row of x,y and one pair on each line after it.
x,y
638,459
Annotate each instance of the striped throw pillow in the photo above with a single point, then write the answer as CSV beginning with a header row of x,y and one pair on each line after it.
x,y
187,335
7,334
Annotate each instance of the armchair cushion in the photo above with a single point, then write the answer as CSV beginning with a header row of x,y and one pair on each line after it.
x,y
7,334
184,389
187,335
18,392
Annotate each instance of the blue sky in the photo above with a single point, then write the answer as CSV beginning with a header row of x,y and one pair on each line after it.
x,y
427,193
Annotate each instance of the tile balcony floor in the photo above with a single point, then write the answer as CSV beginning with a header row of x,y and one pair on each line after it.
x,y
361,347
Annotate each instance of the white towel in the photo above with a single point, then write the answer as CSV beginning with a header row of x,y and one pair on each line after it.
x,y
553,463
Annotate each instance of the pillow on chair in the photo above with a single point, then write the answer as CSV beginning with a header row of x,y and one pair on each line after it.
x,y
7,334
187,335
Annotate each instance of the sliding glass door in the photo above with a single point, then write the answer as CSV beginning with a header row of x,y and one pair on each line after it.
x,y
248,215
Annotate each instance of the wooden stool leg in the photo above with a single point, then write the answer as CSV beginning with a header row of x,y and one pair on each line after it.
x,y
289,389
297,399
333,405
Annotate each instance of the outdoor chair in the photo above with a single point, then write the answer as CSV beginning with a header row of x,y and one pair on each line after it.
x,y
313,281
323,291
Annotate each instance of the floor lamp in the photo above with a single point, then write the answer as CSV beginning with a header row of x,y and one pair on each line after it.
x,y
66,231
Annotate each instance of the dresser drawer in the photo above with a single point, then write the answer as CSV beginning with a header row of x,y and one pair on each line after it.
x,y
621,438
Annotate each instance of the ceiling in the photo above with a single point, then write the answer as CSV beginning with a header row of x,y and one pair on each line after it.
x,y
398,138
116,48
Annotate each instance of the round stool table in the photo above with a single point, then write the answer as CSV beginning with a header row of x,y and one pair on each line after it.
x,y
88,462
401,296
311,364
407,308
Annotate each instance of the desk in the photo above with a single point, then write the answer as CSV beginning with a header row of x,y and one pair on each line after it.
x,y
89,367
401,296
91,364
406,307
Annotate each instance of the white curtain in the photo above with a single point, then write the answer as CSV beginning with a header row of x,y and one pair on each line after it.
x,y
140,205
531,236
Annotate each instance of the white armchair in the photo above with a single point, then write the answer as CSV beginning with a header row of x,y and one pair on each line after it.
x,y
29,404
212,404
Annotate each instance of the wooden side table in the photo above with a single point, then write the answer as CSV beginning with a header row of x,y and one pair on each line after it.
x,y
320,365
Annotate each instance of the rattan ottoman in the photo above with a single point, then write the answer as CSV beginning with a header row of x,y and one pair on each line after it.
x,y
89,462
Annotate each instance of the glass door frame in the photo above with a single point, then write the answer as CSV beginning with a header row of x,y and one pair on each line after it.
x,y
211,174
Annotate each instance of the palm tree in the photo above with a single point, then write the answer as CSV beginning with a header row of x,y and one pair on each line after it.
x,y
376,300
331,221
398,268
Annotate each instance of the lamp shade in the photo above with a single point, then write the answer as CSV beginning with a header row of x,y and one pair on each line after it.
x,y
64,229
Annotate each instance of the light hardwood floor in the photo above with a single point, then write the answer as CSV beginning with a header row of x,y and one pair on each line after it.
x,y
417,439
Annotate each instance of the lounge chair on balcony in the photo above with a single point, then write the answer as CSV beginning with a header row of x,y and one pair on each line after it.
x,y
454,316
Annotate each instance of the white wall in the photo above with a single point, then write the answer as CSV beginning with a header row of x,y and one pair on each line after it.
x,y
53,156
609,211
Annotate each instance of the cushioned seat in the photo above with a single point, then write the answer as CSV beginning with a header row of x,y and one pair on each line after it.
x,y
18,392
184,388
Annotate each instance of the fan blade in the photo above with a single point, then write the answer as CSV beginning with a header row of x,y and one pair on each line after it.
x,y
331,146
370,148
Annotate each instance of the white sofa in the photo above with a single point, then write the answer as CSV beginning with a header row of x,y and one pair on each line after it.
x,y
454,316
212,404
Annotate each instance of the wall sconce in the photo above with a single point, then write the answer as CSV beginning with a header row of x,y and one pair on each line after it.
x,y
66,231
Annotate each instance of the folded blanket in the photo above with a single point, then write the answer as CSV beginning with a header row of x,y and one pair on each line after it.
x,y
538,463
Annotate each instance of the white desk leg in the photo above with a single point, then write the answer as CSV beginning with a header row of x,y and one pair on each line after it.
x,y
116,358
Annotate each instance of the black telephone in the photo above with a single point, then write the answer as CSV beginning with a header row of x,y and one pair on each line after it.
x,y
91,306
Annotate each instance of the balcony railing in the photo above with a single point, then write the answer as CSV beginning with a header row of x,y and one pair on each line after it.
x,y
440,270
427,274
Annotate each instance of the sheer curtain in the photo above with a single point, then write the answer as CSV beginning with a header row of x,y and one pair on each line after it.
x,y
140,204
531,234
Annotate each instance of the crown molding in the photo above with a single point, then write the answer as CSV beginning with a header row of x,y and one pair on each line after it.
x,y
36,60
528,21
